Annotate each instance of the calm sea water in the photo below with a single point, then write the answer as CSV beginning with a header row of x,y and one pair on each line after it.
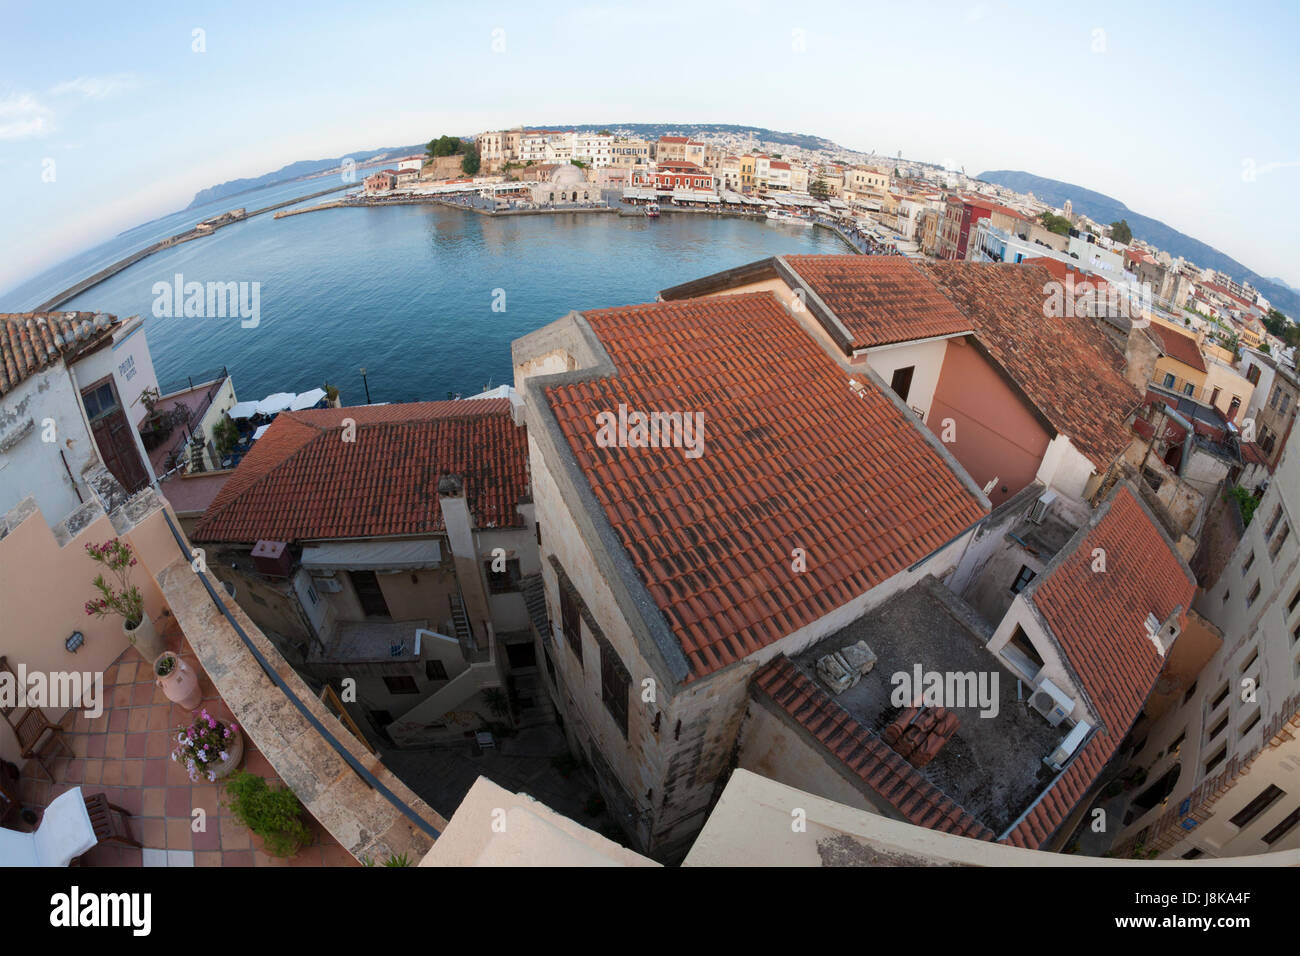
x,y
406,291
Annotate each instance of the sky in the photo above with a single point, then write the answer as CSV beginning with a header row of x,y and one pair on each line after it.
x,y
115,114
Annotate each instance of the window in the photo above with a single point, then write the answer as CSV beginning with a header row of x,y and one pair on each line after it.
x,y
1257,806
901,382
435,670
1250,662
615,683
570,619
99,400
1218,728
1217,759
1024,649
1169,380
1218,698
1193,853
505,580
1273,522
1295,600
1286,400
1254,593
1189,388
1188,696
1022,579
1245,565
1227,593
1249,724
1178,742
1276,546
1282,829
401,685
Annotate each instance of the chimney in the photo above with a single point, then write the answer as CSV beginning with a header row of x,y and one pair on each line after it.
x,y
1163,634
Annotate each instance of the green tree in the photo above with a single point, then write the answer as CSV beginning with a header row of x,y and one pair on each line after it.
x,y
470,164
1120,231
604,132
1054,223
820,189
444,146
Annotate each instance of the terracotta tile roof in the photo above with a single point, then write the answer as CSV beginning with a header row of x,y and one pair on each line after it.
x,y
880,299
890,776
1179,346
793,458
301,481
1099,620
1066,366
1060,270
32,341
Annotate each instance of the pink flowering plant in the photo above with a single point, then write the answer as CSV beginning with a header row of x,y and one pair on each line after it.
x,y
204,744
117,595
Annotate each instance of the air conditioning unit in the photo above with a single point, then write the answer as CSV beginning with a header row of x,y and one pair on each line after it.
x,y
1066,748
1039,511
327,585
1052,702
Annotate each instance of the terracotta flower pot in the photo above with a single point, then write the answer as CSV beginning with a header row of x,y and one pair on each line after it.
x,y
145,638
235,750
180,684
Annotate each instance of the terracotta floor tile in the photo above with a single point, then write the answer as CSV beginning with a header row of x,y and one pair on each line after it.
x,y
155,774
207,858
138,722
132,801
154,803
96,744
234,835
265,859
120,698
115,746
152,832
180,802
76,771
237,857
112,774
176,773
135,745
209,838
159,717
158,744
142,695
178,834
126,671
133,773
92,771
119,719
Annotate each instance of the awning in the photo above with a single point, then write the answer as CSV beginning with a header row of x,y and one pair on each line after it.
x,y
261,430
243,410
307,399
372,556
275,403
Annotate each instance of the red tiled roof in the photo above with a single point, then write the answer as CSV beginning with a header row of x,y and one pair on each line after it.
x,y
1179,346
899,783
1060,270
1099,620
301,481
793,458
880,299
1253,454
32,341
674,139
1066,366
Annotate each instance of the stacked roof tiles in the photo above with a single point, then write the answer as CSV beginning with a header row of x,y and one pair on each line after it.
x,y
880,299
303,481
793,458
32,341
1179,346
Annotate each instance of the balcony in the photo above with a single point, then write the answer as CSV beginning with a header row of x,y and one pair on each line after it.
x,y
125,754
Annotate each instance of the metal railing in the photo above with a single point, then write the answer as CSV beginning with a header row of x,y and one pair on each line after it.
x,y
190,382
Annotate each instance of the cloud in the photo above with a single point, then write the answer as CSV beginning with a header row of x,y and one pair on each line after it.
x,y
23,117
97,87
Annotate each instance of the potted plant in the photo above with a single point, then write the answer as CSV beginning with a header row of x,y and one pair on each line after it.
x,y
121,597
274,815
209,747
178,680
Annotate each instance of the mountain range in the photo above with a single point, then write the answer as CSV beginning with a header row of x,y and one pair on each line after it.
x,y
298,170
1104,209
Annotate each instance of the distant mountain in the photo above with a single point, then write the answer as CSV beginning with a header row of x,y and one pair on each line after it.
x,y
1104,209
655,130
298,170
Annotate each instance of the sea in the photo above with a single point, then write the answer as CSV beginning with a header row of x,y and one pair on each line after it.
x,y
426,299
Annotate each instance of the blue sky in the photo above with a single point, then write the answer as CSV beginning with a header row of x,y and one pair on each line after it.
x,y
1160,110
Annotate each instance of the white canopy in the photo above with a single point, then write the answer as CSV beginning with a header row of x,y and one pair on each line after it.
x,y
407,555
307,399
261,430
243,410
275,403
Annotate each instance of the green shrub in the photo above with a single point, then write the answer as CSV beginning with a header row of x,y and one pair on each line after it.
x,y
1246,501
273,814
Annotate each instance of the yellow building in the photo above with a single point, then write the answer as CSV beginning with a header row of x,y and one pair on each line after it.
x,y
1181,367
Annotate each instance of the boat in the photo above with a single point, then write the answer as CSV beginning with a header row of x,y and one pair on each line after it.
x,y
782,217
652,211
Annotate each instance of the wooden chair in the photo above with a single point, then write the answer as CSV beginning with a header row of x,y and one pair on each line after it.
x,y
107,828
30,726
